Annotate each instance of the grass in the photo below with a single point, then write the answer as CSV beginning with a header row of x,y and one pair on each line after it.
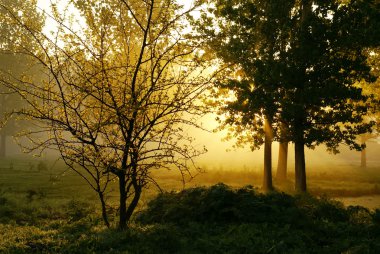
x,y
41,212
215,219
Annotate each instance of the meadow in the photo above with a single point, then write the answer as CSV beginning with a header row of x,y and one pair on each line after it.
x,y
46,208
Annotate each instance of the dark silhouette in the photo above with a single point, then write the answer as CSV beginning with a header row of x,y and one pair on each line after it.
x,y
295,63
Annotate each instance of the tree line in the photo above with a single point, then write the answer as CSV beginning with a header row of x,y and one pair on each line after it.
x,y
115,95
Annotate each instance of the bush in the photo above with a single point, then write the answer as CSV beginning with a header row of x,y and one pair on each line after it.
x,y
359,215
220,219
322,208
221,204
376,217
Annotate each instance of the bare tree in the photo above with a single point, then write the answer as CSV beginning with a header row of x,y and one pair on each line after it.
x,y
117,94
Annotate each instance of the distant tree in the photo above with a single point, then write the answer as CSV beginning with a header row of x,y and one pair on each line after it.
x,y
13,40
118,94
299,62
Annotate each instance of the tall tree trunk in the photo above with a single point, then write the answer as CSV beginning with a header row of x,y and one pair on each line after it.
x,y
300,117
300,169
122,201
3,144
267,183
282,164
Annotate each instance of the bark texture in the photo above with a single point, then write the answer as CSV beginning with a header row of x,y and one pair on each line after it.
x,y
267,183
104,208
300,169
282,165
122,201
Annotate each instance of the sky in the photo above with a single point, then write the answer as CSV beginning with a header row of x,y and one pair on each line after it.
x,y
218,157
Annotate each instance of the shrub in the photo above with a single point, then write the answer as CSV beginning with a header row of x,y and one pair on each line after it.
x,y
376,217
359,215
220,219
221,204
322,208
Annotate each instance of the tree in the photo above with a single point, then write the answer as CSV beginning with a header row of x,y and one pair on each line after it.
x,y
14,64
327,57
300,60
248,44
118,94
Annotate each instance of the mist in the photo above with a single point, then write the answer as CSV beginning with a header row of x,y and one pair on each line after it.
x,y
222,155
114,116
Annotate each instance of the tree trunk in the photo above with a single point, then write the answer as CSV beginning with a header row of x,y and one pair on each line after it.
x,y
300,117
104,209
300,169
267,184
282,165
3,145
134,202
122,201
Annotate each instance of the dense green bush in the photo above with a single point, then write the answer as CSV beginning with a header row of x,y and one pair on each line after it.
x,y
225,220
221,204
376,217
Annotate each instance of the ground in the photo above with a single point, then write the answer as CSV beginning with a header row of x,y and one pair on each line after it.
x,y
46,208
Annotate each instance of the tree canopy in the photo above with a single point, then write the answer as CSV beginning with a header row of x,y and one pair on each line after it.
x,y
296,63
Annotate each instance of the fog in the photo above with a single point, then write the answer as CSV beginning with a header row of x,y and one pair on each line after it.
x,y
222,155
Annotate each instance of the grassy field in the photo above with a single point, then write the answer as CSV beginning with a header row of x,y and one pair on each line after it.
x,y
53,182
46,208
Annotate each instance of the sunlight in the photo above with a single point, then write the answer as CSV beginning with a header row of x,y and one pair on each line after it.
x,y
185,126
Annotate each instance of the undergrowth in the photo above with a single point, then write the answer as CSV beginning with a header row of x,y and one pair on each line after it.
x,y
216,219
